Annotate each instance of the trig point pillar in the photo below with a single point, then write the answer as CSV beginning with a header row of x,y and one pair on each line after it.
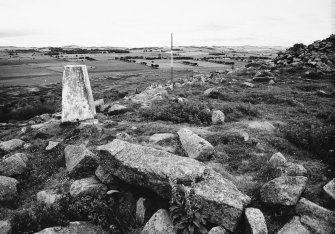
x,y
77,98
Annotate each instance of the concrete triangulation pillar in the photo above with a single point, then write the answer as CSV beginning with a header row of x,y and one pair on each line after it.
x,y
77,98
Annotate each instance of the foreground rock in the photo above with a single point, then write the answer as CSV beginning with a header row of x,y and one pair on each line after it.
x,y
221,201
14,165
316,218
104,176
74,228
195,146
159,223
77,97
79,160
8,189
330,188
283,168
51,145
161,138
11,145
284,190
87,186
294,226
255,221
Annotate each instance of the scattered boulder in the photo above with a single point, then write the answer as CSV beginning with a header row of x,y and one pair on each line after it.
x,y
291,169
261,125
86,186
159,223
195,146
51,145
5,227
149,95
78,227
218,230
330,188
294,226
48,197
116,109
14,165
218,117
220,200
8,189
45,117
212,93
11,145
99,104
123,136
277,160
316,218
248,84
284,190
104,176
255,221
48,128
79,160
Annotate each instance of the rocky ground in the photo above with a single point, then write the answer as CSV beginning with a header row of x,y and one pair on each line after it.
x,y
249,150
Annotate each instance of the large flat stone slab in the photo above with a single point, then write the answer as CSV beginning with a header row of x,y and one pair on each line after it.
x,y
221,201
77,97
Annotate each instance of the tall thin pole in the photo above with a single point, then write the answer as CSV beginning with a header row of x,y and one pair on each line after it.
x,y
172,59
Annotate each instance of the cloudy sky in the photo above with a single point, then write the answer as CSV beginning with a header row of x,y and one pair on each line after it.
x,y
134,23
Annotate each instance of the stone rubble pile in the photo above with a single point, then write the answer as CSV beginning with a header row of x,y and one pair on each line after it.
x,y
319,55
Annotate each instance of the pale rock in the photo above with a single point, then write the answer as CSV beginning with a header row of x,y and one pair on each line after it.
x,y
294,227
48,197
5,227
218,230
79,227
87,186
255,220
143,166
195,146
277,160
143,210
218,117
159,223
117,109
160,138
284,190
77,98
248,84
330,188
14,165
11,145
316,218
51,145
79,160
8,188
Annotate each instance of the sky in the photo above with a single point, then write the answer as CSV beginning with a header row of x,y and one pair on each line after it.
x,y
139,23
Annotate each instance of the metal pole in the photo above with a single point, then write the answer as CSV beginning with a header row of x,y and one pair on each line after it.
x,y
172,59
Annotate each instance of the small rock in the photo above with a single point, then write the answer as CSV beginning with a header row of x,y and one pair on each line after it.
x,y
218,117
143,212
27,146
5,227
159,223
11,145
271,82
14,165
8,190
212,93
104,176
123,136
330,188
284,190
291,169
277,160
48,197
262,79
45,117
79,160
316,218
116,109
109,124
255,221
294,227
98,103
160,138
248,84
51,145
322,93
195,146
87,186
80,227
218,230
